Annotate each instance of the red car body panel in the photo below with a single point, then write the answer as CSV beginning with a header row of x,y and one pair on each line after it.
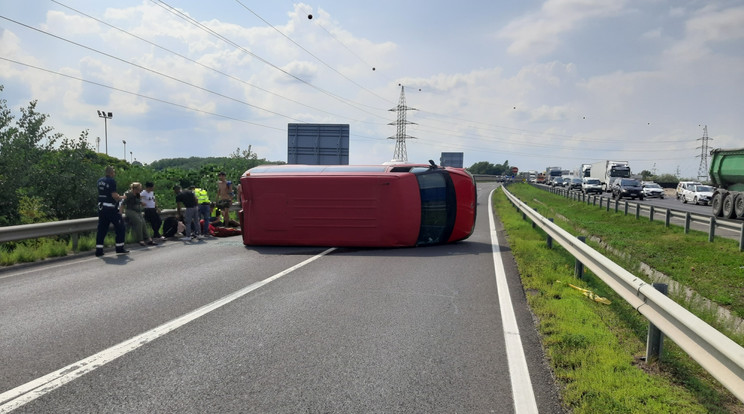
x,y
361,206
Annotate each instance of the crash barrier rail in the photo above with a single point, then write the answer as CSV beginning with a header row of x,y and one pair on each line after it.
x,y
55,228
716,353
686,218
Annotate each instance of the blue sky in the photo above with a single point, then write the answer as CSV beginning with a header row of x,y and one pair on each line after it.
x,y
537,83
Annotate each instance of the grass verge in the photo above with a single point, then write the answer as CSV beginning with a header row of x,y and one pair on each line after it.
x,y
596,350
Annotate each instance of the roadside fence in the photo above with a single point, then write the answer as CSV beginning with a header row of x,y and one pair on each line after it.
x,y
715,352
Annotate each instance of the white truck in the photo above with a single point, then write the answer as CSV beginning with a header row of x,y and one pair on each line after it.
x,y
606,171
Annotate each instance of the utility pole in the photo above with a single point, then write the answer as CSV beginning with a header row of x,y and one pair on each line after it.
x,y
703,168
106,116
400,154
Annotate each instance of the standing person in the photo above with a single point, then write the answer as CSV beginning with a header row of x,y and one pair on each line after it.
x,y
225,196
191,216
204,209
151,210
108,212
133,211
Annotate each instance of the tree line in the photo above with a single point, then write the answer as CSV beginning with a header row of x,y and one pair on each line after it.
x,y
45,176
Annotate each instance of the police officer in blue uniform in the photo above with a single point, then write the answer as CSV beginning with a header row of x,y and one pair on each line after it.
x,y
108,212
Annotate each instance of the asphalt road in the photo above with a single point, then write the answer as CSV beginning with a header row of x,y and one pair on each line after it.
x,y
216,327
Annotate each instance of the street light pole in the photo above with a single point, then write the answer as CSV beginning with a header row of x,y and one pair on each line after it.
x,y
125,149
106,117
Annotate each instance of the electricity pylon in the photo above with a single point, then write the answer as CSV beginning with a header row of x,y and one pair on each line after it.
x,y
703,169
400,154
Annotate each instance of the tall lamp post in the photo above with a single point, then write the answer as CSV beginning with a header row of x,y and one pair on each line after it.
x,y
125,149
106,117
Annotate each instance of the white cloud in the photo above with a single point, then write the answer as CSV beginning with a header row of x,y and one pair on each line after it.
x,y
707,28
540,32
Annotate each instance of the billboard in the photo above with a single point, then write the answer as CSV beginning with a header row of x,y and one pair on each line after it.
x,y
318,144
451,159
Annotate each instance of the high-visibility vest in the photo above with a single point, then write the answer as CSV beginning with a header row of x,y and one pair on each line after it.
x,y
201,195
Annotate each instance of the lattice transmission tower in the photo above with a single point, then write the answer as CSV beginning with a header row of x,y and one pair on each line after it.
x,y
703,169
400,154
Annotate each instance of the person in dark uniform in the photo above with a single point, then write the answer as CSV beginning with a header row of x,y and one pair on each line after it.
x,y
108,212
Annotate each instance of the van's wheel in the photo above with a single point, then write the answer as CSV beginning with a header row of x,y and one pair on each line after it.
x,y
727,210
717,204
739,205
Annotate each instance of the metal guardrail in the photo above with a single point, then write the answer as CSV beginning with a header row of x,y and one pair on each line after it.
x,y
685,217
55,228
715,352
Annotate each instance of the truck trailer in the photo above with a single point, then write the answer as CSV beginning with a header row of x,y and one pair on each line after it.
x,y
727,174
551,173
606,171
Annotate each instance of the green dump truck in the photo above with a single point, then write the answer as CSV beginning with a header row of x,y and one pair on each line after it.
x,y
727,174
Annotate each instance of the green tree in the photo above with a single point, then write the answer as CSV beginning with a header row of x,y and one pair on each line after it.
x,y
667,179
65,179
646,175
485,167
21,146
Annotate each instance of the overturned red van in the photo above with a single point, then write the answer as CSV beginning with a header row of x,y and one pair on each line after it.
x,y
356,205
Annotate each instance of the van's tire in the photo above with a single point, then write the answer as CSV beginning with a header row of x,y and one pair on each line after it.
x,y
717,204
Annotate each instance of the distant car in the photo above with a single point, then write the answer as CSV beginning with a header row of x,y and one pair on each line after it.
x,y
652,190
698,194
591,185
626,187
557,182
574,184
682,186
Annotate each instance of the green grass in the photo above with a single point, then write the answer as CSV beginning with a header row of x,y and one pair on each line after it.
x,y
714,270
596,350
32,250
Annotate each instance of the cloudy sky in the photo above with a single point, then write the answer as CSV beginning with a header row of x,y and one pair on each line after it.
x,y
537,83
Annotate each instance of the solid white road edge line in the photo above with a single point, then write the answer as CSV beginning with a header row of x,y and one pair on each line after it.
x,y
32,390
522,392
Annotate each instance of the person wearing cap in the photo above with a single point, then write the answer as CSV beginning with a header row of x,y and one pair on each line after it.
x,y
108,212
224,196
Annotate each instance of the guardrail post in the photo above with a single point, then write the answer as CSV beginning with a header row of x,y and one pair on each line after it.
x,y
626,208
638,210
74,242
741,238
668,217
550,239
608,204
712,229
655,338
617,204
688,218
651,213
579,267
